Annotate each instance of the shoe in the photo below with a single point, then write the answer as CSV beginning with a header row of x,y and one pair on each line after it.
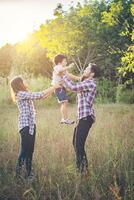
x,y
19,167
18,170
30,177
67,121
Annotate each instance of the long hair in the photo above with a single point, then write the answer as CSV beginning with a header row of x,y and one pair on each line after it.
x,y
16,85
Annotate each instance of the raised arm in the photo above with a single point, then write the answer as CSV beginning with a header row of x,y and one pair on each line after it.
x,y
63,69
37,95
73,77
68,67
80,86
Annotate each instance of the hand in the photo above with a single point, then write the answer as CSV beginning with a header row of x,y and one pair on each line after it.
x,y
61,74
58,85
73,77
71,65
83,77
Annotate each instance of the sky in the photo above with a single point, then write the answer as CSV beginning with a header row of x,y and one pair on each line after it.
x,y
18,18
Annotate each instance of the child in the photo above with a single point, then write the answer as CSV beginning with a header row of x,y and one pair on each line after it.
x,y
59,69
27,126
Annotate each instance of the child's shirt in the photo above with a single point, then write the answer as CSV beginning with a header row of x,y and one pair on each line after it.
x,y
56,78
26,108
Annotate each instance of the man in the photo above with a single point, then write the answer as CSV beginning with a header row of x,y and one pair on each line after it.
x,y
86,90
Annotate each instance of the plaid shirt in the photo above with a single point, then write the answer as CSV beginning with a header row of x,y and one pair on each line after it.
x,y
26,108
86,92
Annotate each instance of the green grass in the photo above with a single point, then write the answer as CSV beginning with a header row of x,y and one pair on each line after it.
x,y
110,150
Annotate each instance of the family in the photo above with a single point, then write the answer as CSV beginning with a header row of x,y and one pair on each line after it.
x,y
62,80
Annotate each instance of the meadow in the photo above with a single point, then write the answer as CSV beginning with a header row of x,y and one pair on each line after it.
x,y
89,31
110,150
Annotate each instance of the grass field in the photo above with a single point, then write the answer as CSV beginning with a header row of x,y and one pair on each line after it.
x,y
110,150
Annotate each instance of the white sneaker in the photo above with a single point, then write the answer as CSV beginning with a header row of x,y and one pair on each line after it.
x,y
67,121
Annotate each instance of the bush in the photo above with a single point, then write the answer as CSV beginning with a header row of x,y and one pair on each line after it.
x,y
5,96
124,95
106,91
72,96
34,84
40,83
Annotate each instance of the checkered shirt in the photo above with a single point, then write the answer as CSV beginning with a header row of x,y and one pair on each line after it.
x,y
86,91
26,108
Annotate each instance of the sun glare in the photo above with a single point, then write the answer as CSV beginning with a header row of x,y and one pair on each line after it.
x,y
17,22
19,18
18,35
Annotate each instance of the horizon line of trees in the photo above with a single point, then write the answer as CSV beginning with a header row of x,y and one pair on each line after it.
x,y
96,31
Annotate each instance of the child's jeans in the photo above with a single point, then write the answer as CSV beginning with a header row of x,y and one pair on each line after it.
x,y
61,95
26,150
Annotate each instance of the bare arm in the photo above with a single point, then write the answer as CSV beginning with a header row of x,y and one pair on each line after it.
x,y
64,69
73,77
50,90
68,67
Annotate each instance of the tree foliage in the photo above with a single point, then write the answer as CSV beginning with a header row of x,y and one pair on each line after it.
x,y
95,31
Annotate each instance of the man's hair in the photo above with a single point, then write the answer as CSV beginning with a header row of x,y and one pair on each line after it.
x,y
59,58
94,69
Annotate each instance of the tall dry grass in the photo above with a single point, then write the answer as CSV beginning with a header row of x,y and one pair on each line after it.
x,y
110,150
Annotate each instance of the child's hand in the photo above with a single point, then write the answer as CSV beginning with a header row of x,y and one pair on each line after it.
x,y
70,66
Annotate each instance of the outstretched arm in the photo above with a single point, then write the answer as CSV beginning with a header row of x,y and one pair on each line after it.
x,y
73,77
50,90
63,69
80,86
37,95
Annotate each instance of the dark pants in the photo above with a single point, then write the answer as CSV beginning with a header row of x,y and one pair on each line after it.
x,y
79,139
26,150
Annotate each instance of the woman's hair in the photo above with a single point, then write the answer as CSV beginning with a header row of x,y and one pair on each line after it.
x,y
59,58
16,86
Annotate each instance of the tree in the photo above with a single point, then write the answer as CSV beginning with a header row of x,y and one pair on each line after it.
x,y
6,59
119,18
30,58
126,70
74,33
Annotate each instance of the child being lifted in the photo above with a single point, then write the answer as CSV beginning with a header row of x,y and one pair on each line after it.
x,y
61,67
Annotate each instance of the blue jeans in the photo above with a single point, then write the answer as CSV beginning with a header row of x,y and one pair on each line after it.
x,y
61,95
80,134
26,150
